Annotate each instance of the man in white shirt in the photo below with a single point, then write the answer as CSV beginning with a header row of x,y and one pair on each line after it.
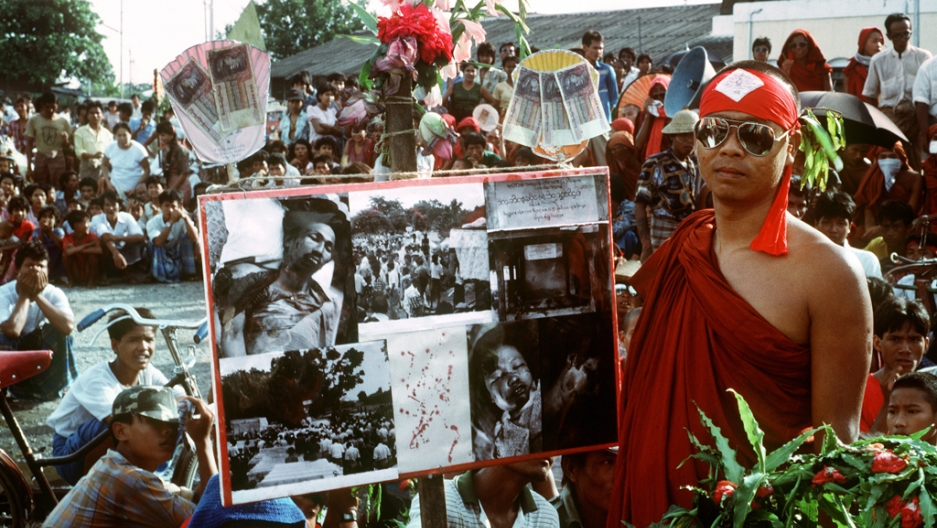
x,y
173,239
925,101
121,238
25,304
892,74
85,411
833,213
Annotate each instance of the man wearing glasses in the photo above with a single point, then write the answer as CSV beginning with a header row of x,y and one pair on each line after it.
x,y
891,79
741,297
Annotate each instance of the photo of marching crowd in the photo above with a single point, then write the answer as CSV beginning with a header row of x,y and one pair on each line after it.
x,y
420,254
298,418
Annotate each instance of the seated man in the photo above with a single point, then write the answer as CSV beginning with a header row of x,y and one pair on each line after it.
x,y
475,145
833,217
900,336
25,304
121,489
912,406
587,486
81,251
497,496
85,411
173,240
121,237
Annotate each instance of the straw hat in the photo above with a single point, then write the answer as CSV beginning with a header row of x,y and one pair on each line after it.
x,y
682,122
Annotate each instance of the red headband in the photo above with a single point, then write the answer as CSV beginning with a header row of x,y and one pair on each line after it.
x,y
764,97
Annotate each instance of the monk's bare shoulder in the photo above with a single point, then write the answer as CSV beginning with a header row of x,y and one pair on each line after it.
x,y
824,268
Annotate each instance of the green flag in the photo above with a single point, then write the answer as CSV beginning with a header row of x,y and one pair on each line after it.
x,y
247,28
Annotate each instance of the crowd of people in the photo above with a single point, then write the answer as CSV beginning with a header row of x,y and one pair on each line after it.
x,y
356,443
107,194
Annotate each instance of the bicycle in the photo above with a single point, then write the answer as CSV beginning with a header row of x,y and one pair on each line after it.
x,y
20,502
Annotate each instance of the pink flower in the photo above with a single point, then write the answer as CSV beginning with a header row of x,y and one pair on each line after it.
x,y
490,4
449,71
433,97
463,48
442,150
444,5
401,55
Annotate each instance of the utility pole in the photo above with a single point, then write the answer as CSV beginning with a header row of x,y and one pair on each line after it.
x,y
121,49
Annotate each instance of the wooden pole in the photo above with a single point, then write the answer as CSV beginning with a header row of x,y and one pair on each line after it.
x,y
432,502
400,119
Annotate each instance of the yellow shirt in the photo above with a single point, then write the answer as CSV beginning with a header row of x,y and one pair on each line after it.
x,y
503,93
91,142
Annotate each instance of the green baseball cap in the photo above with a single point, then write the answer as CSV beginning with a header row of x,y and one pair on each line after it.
x,y
154,402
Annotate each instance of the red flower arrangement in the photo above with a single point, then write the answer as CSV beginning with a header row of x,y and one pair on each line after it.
x,y
888,462
910,511
828,474
418,22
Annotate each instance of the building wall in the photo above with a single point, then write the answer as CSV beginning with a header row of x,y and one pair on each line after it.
x,y
835,24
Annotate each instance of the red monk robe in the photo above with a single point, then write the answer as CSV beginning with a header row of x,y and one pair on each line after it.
x,y
708,339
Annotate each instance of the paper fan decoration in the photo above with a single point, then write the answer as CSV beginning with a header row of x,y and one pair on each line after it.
x,y
555,108
487,117
637,92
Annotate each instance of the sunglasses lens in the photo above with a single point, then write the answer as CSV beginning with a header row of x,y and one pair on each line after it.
x,y
756,138
712,132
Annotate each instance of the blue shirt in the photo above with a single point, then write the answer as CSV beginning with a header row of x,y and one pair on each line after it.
x,y
608,87
148,130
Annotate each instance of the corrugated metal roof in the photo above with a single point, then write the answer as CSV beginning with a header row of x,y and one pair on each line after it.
x,y
657,31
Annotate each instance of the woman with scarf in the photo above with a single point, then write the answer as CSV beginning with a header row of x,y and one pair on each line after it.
x,y
889,178
802,61
871,41
650,139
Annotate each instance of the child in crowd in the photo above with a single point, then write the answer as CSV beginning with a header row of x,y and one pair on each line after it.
x,y
37,200
69,183
912,406
326,146
173,240
95,207
18,209
81,251
322,166
9,187
85,410
51,238
8,244
87,189
358,148
121,489
154,187
900,330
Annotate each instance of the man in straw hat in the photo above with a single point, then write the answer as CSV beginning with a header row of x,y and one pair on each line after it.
x,y
668,186
741,297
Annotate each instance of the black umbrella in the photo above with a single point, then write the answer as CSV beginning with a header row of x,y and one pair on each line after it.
x,y
863,122
674,58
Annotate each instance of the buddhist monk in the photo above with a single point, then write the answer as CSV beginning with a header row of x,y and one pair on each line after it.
x,y
745,297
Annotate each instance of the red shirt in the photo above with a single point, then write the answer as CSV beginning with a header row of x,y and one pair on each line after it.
x,y
871,403
25,231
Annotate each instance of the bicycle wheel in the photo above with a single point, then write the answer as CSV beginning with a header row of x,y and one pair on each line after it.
x,y
185,469
16,497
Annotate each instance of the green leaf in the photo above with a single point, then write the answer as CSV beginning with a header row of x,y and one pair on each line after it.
x,y
764,517
362,39
517,21
927,508
744,495
781,455
755,435
833,506
919,482
733,470
366,18
476,11
809,507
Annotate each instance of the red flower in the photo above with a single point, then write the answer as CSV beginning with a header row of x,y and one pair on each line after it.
x,y
420,23
888,462
764,491
910,511
724,490
828,474
405,485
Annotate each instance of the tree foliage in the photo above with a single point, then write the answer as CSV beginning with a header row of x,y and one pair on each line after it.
x,y
291,26
45,41
386,216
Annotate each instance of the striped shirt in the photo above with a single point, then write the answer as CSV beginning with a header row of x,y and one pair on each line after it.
x,y
115,493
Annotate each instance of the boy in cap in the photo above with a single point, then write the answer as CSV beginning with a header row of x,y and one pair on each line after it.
x,y
122,489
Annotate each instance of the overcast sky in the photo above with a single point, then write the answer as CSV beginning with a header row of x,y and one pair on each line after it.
x,y
155,32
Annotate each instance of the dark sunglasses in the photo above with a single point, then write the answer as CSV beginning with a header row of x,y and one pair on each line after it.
x,y
801,44
755,138
902,35
760,49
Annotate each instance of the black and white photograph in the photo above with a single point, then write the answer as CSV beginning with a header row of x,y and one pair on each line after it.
x,y
504,389
576,81
551,272
230,64
577,366
188,84
308,420
419,252
282,274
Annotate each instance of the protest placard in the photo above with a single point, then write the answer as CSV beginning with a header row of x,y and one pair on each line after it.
x,y
366,332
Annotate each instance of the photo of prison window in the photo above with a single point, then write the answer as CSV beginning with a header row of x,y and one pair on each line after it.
x,y
550,272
